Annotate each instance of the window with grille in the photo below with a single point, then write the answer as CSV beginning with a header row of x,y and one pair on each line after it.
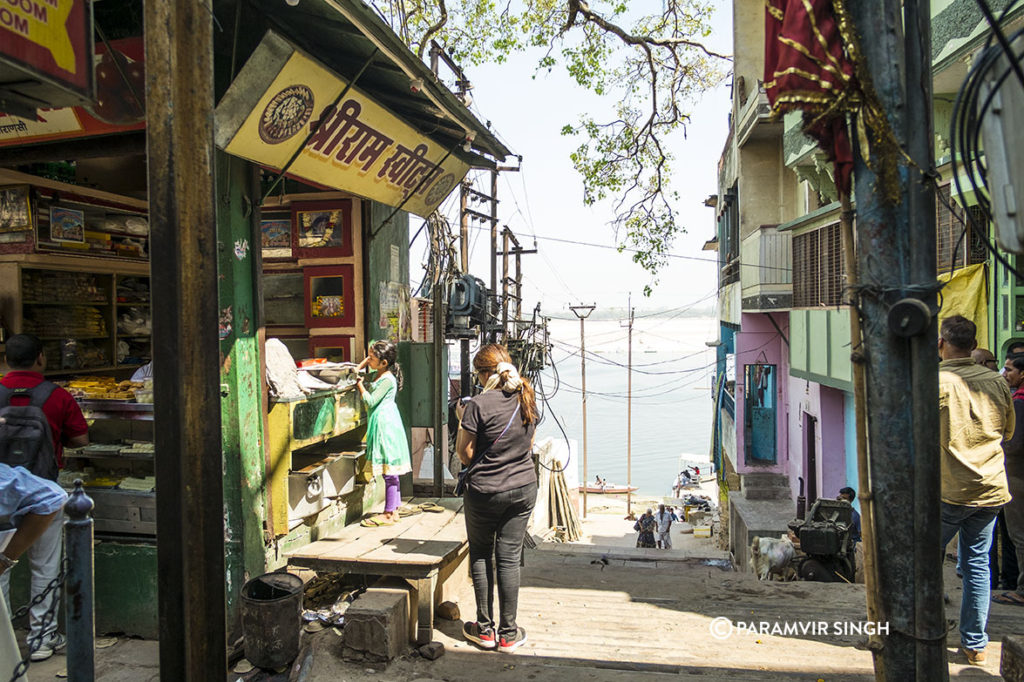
x,y
951,221
818,268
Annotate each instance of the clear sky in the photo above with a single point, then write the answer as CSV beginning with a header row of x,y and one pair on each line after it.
x,y
546,197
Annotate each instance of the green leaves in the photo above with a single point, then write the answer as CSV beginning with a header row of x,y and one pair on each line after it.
x,y
649,67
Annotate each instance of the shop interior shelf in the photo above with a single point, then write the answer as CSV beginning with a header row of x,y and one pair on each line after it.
x,y
77,337
129,303
92,303
88,370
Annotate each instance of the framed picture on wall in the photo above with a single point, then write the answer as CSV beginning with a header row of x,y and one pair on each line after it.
x,y
15,213
334,348
67,225
330,296
322,228
276,236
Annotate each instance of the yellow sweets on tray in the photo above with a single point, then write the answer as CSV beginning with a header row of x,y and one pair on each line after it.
x,y
103,388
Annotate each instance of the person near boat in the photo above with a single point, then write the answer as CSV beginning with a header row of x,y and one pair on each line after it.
x,y
645,527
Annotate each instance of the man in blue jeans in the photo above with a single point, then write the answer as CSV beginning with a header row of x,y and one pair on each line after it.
x,y
975,417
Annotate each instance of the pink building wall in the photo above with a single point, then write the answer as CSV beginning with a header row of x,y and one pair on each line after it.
x,y
827,406
758,341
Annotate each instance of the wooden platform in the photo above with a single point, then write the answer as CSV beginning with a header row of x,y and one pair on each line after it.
x,y
417,548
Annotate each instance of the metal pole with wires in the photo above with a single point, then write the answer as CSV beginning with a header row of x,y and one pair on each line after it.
x,y
895,232
629,411
583,312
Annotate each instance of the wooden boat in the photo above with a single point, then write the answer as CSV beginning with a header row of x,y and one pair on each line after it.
x,y
610,489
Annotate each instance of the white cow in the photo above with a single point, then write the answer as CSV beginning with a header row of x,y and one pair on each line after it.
x,y
772,557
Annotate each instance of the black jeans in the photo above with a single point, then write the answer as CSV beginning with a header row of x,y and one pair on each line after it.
x,y
496,526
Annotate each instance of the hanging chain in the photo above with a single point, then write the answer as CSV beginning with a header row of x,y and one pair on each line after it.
x,y
36,641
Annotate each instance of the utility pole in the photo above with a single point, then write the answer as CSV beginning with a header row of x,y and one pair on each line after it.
x,y
629,413
464,371
896,255
505,236
518,251
440,366
493,298
182,195
583,312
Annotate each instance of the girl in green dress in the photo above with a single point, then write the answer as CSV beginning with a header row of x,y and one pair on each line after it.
x,y
386,444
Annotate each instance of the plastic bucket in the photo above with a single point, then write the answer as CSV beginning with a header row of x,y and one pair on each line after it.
x,y
271,608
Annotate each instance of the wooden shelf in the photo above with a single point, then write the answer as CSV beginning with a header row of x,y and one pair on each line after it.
x,y
76,337
140,304
88,370
94,303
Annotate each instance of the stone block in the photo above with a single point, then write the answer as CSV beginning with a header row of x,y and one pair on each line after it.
x,y
377,625
432,651
1011,662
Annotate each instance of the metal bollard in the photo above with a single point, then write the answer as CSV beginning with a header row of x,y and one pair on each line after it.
x,y
78,582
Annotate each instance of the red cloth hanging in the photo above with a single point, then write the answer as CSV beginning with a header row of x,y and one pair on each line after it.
x,y
807,68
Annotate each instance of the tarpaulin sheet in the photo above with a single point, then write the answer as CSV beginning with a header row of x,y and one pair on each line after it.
x,y
965,294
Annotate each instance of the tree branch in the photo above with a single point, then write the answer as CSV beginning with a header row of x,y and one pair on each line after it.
x,y
433,29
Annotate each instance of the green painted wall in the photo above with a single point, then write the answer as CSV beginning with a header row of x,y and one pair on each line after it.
x,y
241,388
384,228
819,346
798,339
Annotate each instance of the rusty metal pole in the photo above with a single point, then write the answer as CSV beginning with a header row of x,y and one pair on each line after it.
x,y
465,389
506,233
189,469
493,298
896,260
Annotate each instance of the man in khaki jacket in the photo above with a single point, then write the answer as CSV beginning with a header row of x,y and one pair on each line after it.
x,y
975,416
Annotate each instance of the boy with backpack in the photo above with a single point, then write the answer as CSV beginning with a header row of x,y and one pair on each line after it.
x,y
37,418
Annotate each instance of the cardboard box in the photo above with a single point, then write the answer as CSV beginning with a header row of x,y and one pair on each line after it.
x,y
702,531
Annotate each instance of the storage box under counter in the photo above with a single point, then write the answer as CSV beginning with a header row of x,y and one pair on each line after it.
x,y
314,444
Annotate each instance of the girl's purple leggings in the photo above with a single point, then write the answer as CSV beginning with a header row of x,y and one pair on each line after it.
x,y
392,494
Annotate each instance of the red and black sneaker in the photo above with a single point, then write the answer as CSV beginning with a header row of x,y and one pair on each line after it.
x,y
482,637
510,644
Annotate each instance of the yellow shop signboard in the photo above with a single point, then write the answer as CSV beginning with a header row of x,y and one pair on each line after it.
x,y
285,110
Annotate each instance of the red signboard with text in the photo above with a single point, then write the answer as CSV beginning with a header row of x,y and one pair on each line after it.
x,y
119,105
52,39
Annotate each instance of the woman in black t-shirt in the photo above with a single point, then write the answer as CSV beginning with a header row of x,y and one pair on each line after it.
x,y
495,444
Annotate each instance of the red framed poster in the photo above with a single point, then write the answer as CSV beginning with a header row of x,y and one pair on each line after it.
x,y
334,348
330,296
322,229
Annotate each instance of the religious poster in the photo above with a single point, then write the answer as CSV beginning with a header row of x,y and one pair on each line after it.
x,y
67,225
276,237
322,228
15,214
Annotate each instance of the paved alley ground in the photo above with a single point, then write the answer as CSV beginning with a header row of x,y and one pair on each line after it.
x,y
636,615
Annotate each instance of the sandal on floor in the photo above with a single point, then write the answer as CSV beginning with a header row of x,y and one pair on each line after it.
x,y
408,511
432,508
1011,598
376,522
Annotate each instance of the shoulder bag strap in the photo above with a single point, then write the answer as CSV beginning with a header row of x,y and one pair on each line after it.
x,y
42,392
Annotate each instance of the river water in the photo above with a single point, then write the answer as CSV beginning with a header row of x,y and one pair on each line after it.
x,y
671,406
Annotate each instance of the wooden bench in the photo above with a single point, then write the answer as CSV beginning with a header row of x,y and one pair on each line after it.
x,y
419,549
